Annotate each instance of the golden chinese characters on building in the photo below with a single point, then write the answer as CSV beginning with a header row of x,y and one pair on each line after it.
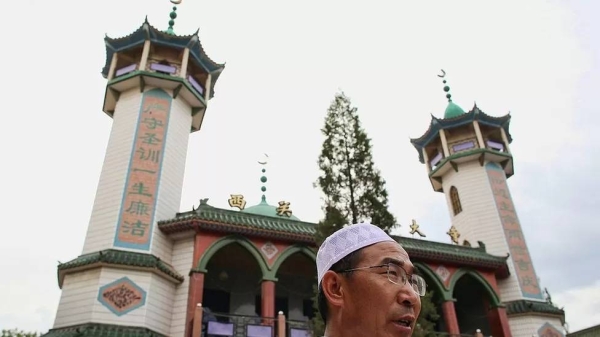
x,y
237,200
284,209
414,228
454,234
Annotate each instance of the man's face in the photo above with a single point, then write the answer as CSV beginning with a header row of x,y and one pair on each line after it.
x,y
374,306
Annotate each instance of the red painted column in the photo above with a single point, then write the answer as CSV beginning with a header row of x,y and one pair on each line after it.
x,y
196,290
450,318
268,299
499,322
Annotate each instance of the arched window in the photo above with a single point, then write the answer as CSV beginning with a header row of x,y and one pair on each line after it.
x,y
456,206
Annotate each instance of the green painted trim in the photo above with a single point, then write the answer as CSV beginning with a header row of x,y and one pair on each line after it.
x,y
438,285
159,76
465,154
117,258
287,253
215,246
494,299
102,330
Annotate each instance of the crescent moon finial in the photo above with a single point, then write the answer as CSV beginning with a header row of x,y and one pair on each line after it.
x,y
264,160
176,2
442,75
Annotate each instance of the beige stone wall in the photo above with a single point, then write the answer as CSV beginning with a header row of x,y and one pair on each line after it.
x,y
107,204
183,254
530,325
479,219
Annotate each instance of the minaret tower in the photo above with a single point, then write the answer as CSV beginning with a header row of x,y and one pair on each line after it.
x,y
157,91
468,158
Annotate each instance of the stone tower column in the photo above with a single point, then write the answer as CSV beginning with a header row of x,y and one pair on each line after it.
x,y
468,158
131,278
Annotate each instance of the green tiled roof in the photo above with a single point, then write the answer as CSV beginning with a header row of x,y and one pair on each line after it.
x,y
234,222
102,330
463,255
593,331
453,110
113,257
158,37
475,114
525,306
215,219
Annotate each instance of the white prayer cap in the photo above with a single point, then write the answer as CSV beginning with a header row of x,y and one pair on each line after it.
x,y
345,241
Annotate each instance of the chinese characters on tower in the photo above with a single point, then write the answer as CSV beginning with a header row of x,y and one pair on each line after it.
x,y
514,235
139,200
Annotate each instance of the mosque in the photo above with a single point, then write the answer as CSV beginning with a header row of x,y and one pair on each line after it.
x,y
147,269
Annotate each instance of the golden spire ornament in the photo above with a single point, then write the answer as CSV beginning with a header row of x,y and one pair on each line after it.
x,y
454,234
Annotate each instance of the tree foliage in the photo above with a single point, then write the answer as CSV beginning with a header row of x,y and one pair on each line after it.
x,y
428,317
18,333
353,188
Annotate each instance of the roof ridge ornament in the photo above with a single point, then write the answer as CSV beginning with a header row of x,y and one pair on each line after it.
x,y
263,161
446,87
173,16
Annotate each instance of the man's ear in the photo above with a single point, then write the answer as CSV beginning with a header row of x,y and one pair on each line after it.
x,y
333,288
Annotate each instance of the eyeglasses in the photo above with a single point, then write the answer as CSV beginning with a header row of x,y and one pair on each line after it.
x,y
399,276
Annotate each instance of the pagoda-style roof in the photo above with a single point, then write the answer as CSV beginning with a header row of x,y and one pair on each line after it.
x,y
101,330
117,258
520,307
210,218
475,114
431,251
158,37
214,219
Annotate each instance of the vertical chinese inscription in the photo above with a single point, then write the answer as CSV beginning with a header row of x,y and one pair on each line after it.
x,y
138,207
514,235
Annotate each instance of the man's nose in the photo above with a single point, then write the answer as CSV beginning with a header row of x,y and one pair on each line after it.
x,y
407,295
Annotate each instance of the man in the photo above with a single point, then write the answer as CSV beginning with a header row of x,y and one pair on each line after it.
x,y
366,284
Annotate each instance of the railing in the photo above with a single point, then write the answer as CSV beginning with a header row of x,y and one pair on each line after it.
x,y
494,145
220,325
196,85
298,328
163,68
232,325
126,70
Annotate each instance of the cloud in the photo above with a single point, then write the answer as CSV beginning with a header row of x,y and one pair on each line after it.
x,y
581,305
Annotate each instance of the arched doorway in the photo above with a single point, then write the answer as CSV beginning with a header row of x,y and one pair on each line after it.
x,y
296,278
434,298
473,297
231,283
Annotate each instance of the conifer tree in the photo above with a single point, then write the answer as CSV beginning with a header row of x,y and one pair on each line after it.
x,y
428,317
353,188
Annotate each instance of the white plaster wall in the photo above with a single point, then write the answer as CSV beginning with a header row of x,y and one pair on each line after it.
x,y
155,314
79,300
79,292
159,305
173,169
183,255
528,326
105,212
479,219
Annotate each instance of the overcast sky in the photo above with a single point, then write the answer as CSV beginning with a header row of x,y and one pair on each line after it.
x,y
286,60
